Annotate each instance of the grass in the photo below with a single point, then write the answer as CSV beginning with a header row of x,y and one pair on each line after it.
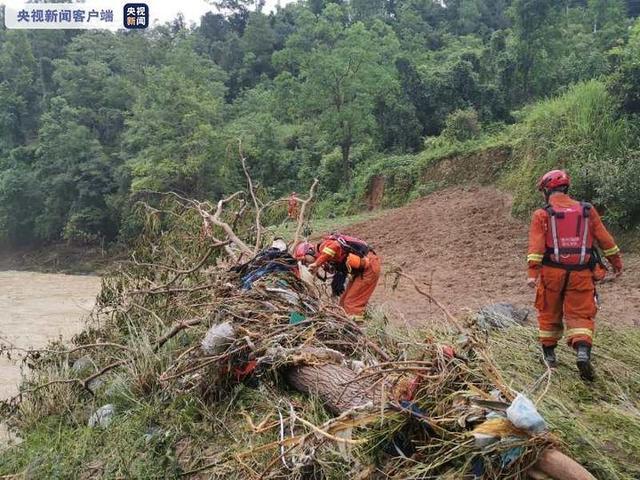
x,y
324,225
58,449
600,422
155,436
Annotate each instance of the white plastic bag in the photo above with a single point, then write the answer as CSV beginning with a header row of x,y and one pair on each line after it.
x,y
218,338
524,415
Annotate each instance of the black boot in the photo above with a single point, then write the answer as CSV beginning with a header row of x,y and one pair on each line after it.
x,y
583,361
549,356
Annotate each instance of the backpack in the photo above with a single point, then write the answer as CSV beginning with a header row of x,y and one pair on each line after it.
x,y
569,242
351,244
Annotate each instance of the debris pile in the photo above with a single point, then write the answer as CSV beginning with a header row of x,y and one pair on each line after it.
x,y
187,319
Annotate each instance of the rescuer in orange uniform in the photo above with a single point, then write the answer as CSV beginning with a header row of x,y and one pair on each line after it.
x,y
292,206
564,264
345,256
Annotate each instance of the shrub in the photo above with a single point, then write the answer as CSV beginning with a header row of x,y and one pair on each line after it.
x,y
462,125
581,132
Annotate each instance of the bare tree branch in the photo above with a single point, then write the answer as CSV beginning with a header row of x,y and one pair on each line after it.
x,y
303,209
252,192
216,220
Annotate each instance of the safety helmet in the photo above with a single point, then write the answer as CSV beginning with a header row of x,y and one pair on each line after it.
x,y
303,249
554,179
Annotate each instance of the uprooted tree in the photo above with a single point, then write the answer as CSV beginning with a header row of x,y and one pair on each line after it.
x,y
200,308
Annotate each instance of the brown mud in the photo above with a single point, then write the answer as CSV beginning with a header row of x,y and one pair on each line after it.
x,y
465,243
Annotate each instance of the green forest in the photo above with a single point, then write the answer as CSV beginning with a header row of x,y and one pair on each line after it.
x,y
339,90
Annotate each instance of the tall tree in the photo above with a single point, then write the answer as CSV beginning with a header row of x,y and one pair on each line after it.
x,y
173,139
532,23
342,78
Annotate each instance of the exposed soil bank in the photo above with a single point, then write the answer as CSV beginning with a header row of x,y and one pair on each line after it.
x,y
466,244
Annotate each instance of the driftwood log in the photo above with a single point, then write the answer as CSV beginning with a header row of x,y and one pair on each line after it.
x,y
340,389
336,385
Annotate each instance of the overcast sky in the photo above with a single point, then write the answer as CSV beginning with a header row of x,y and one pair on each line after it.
x,y
166,10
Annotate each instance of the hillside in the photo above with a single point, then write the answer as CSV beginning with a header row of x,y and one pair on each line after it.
x,y
465,242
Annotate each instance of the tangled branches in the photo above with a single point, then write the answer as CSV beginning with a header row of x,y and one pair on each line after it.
x,y
186,320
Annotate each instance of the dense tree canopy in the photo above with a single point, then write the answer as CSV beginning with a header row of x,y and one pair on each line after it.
x,y
316,88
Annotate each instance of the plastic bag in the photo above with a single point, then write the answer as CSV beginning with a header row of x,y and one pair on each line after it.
x,y
218,338
524,415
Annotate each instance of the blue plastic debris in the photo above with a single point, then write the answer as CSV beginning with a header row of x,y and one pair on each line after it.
x,y
477,468
511,456
296,318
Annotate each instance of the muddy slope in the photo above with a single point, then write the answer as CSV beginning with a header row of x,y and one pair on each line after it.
x,y
464,242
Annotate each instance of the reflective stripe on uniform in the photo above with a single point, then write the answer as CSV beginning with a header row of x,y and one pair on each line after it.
x,y
574,332
554,234
612,251
535,257
585,235
329,251
550,334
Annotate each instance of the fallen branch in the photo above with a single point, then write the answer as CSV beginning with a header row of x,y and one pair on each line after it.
x,y
254,198
303,208
461,328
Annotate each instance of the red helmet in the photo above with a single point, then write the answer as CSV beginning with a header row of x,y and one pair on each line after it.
x,y
303,249
554,179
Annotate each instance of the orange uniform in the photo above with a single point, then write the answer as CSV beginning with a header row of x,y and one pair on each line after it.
x,y
563,292
365,275
292,207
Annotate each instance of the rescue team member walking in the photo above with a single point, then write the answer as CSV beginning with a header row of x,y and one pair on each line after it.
x,y
292,206
564,264
345,256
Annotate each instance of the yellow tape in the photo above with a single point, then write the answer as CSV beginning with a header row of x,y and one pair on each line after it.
x,y
329,251
534,257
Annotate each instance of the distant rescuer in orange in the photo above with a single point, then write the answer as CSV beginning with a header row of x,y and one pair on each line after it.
x,y
564,264
292,206
346,257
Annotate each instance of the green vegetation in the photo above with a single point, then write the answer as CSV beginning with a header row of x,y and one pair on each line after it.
x,y
583,132
599,424
155,435
320,88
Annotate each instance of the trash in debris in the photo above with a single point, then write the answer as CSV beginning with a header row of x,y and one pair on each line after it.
x,y
296,318
103,416
511,456
524,415
83,364
218,338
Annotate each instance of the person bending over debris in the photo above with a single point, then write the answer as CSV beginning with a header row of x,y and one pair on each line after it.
x,y
345,256
564,264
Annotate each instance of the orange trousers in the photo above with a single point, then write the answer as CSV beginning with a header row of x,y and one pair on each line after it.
x,y
569,295
359,290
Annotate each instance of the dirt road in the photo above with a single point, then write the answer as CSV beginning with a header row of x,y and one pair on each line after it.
x,y
465,243
35,307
